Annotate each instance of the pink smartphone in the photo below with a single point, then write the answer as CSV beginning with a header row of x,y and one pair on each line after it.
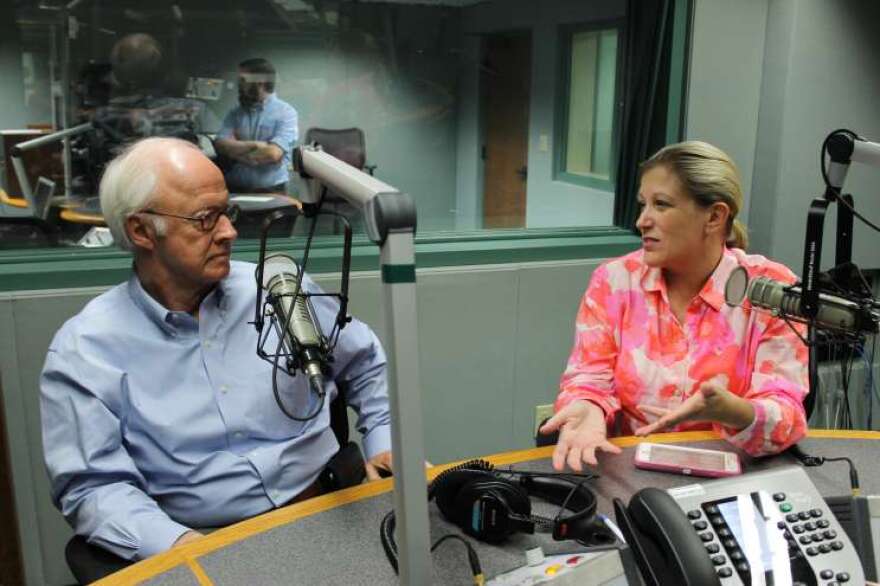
x,y
689,461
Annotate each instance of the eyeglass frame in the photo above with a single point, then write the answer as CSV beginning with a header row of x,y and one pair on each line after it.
x,y
231,211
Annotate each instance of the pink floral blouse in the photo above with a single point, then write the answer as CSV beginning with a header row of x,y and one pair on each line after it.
x,y
629,349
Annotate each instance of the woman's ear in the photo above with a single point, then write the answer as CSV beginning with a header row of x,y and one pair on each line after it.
x,y
719,212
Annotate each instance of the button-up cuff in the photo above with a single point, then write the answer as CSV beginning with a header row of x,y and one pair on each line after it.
x,y
751,437
377,441
158,535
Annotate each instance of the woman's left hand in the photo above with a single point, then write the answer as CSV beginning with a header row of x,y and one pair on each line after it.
x,y
711,402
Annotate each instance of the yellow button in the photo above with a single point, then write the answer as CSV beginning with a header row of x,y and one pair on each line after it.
x,y
551,570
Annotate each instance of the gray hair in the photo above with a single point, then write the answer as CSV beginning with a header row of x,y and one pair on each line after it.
x,y
129,185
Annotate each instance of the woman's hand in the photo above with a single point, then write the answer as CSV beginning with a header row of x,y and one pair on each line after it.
x,y
581,426
710,403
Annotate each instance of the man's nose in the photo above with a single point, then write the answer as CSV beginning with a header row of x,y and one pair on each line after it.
x,y
225,229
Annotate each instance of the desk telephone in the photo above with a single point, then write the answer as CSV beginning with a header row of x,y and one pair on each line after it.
x,y
763,528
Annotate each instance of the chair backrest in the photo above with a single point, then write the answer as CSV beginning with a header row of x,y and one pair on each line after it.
x,y
346,144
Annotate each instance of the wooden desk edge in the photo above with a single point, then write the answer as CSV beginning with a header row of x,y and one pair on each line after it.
x,y
188,554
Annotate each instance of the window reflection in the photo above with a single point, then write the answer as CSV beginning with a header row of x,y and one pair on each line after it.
x,y
456,102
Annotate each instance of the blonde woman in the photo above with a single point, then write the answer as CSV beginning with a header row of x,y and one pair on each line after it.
x,y
656,348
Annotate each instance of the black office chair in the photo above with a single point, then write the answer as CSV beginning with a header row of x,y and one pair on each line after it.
x,y
89,563
348,145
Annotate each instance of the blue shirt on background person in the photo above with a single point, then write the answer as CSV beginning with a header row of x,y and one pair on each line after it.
x,y
271,120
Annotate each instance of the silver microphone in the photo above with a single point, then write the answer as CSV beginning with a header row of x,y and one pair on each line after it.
x,y
302,337
833,312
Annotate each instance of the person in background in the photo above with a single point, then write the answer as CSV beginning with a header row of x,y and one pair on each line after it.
x,y
257,136
158,417
139,107
656,347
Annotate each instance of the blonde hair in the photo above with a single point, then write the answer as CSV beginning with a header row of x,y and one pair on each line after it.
x,y
709,176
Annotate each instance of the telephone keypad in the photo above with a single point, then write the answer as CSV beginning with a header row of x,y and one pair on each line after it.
x,y
814,541
804,526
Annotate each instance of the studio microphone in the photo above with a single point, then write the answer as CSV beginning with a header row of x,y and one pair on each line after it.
x,y
302,337
833,313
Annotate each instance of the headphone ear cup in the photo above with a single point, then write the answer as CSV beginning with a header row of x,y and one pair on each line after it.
x,y
492,510
448,485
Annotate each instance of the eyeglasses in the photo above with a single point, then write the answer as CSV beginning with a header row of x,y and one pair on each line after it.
x,y
207,219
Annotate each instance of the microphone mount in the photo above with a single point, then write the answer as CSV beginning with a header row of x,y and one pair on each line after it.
x,y
286,354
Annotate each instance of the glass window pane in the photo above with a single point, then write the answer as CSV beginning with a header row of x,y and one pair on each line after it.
x,y
446,101
591,100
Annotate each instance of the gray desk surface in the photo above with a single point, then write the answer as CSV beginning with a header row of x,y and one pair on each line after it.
x,y
334,539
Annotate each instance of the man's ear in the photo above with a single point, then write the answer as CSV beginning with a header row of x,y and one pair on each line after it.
x,y
141,232
719,212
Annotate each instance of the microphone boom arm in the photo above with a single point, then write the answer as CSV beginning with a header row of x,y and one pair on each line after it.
x,y
390,219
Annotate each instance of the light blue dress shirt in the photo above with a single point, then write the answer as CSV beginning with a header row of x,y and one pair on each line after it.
x,y
274,121
155,422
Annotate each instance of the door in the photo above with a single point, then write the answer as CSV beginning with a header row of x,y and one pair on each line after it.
x,y
505,81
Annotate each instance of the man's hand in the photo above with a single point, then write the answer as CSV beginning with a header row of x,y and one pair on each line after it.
x,y
710,403
188,537
581,426
381,461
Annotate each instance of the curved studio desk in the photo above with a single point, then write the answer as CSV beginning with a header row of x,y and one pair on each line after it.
x,y
334,539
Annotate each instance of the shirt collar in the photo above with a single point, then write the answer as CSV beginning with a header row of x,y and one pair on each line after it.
x,y
260,106
167,320
712,292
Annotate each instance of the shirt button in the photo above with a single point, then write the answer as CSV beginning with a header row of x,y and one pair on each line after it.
x,y
238,434
224,389
276,495
206,343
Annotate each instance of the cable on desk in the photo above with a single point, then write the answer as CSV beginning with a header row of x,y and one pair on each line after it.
x,y
386,532
808,460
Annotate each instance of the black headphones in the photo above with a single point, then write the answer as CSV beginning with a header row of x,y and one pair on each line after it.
x,y
491,505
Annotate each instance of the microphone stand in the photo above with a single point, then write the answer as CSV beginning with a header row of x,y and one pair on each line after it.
x,y
842,146
390,223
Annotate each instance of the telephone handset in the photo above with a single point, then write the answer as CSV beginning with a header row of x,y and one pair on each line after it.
x,y
666,548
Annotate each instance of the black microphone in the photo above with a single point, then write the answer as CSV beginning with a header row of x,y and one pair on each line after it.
x,y
302,337
833,313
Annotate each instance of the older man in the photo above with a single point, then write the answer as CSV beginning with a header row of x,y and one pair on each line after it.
x,y
158,417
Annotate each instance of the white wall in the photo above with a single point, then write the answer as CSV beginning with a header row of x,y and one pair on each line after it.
x,y
818,65
724,88
832,80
